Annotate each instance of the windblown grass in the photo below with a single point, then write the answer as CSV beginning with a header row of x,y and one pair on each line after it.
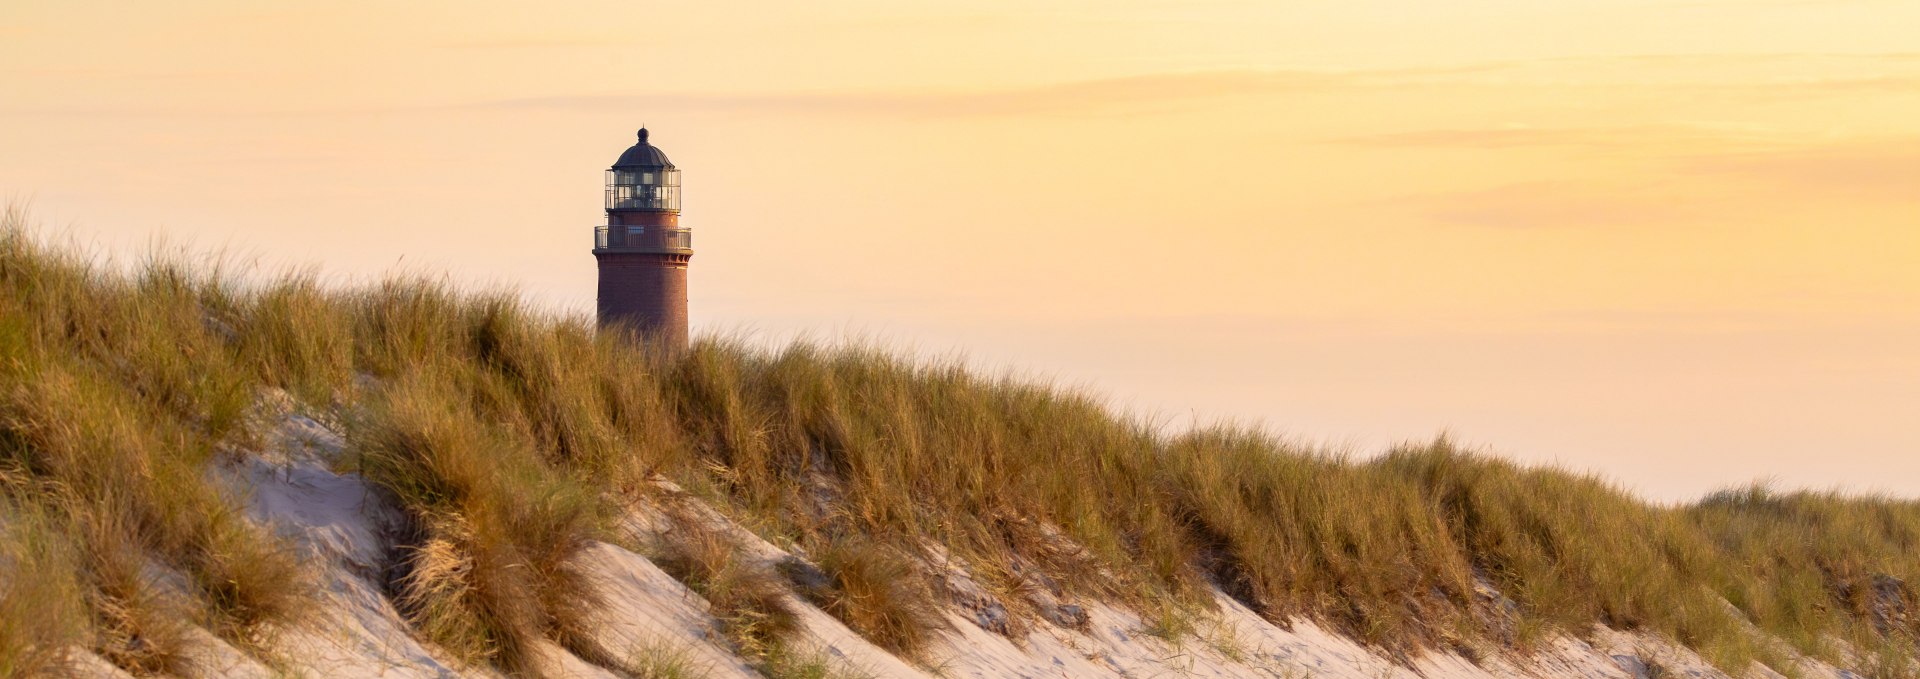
x,y
42,609
663,660
510,436
116,395
746,596
878,592
489,569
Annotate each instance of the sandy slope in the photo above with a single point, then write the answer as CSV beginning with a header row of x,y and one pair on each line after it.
x,y
354,631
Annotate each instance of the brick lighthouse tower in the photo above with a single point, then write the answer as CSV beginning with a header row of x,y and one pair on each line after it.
x,y
642,249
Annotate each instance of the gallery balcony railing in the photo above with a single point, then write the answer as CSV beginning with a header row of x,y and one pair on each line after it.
x,y
616,237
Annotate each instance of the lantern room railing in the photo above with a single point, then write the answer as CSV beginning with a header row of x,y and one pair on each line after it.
x,y
641,238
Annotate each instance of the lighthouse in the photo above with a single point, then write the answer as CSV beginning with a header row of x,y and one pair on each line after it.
x,y
642,250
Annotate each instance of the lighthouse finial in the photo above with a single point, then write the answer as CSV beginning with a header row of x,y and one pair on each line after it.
x,y
643,133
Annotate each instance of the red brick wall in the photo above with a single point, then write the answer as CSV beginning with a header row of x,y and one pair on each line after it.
x,y
646,291
643,218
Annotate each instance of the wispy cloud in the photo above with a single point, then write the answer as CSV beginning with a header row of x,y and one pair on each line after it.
x,y
1756,76
1514,136
1536,205
1764,76
1689,188
1158,91
527,42
1885,169
1756,4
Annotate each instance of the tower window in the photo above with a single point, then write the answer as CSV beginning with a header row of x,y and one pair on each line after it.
x,y
636,231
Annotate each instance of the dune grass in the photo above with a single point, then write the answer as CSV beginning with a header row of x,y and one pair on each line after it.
x,y
663,660
877,592
41,598
743,594
511,437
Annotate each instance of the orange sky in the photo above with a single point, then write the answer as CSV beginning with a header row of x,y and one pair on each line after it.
x,y
1674,241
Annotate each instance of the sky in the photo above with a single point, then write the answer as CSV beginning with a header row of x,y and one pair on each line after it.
x,y
1673,242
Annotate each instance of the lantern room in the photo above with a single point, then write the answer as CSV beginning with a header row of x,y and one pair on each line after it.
x,y
643,180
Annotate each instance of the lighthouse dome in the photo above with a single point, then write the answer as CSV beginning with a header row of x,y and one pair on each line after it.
x,y
642,155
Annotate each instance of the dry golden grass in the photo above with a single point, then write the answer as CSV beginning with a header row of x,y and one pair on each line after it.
x,y
115,397
489,569
878,592
138,624
42,605
509,436
661,660
744,595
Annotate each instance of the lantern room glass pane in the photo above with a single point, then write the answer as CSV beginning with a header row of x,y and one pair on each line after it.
x,y
643,190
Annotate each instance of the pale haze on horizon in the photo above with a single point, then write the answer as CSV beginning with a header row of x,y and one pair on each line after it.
x,y
1674,242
